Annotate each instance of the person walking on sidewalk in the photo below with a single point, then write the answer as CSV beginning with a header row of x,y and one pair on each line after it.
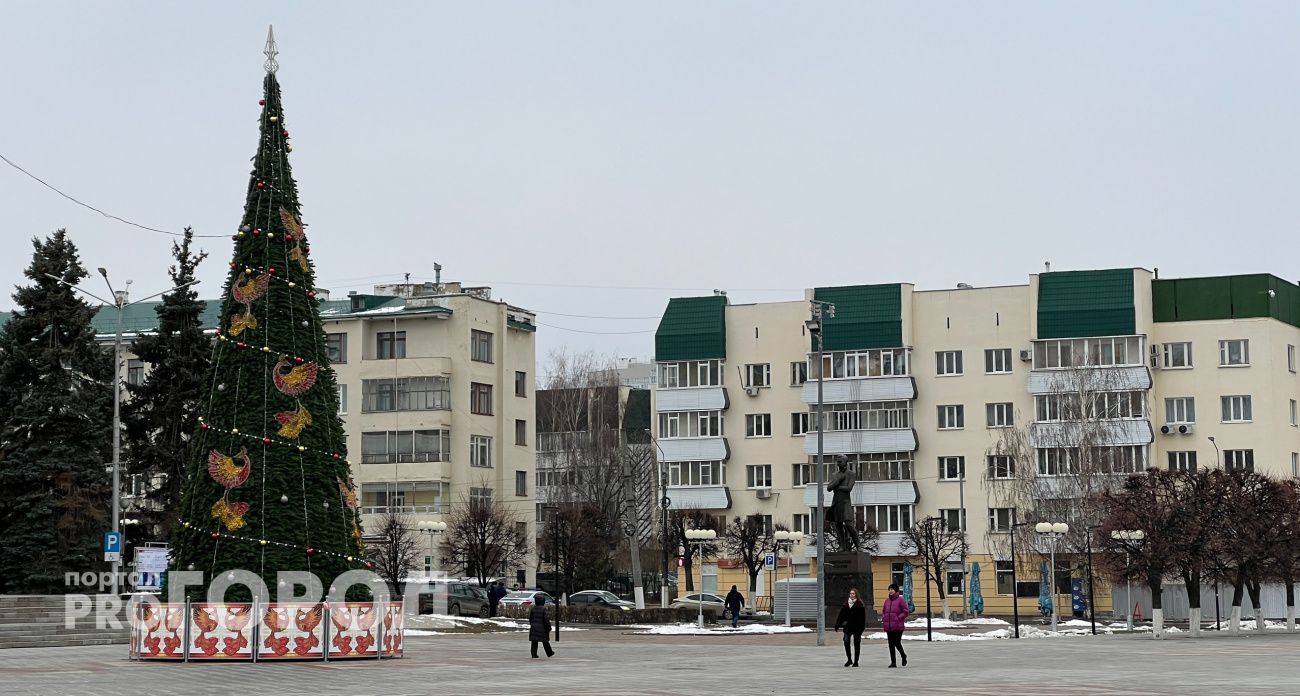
x,y
893,617
853,620
735,601
539,625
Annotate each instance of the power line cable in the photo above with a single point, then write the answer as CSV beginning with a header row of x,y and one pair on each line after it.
x,y
601,333
88,206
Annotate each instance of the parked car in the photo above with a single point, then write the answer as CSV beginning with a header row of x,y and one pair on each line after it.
x,y
455,598
524,598
599,599
710,601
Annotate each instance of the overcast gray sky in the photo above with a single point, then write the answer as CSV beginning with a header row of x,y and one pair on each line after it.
x,y
597,158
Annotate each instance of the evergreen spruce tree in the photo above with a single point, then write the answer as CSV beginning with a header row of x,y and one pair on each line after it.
x,y
269,487
160,416
56,409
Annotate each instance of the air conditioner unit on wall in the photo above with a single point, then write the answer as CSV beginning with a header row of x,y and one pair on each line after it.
x,y
1186,429
763,493
752,391
1168,429
1026,355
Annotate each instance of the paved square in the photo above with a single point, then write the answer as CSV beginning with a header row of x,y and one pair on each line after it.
x,y
613,662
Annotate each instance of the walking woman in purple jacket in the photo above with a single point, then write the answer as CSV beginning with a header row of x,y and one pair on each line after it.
x,y
893,616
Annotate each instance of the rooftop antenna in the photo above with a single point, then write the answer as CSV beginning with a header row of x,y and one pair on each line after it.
x,y
271,51
407,278
1048,266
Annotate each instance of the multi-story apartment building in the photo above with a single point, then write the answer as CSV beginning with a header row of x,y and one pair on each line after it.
x,y
436,395
921,387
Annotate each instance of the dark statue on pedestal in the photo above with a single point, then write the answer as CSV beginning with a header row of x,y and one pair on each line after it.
x,y
840,513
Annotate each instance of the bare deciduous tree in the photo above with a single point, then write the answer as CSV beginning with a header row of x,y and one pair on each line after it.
x,y
691,518
395,552
748,539
1245,540
1284,562
1200,498
484,538
934,542
1144,503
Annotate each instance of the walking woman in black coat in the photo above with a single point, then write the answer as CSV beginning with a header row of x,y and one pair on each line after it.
x,y
539,625
853,619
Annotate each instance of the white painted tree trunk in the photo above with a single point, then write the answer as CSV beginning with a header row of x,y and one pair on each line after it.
x,y
1194,621
1234,620
1259,620
1157,623
1290,619
947,611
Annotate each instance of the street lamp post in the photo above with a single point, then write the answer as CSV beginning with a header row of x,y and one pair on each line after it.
x,y
1015,586
786,540
431,529
820,310
928,528
700,537
1092,609
555,561
120,302
1128,535
1053,533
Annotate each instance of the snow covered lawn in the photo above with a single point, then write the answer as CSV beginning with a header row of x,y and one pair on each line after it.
x,y
690,629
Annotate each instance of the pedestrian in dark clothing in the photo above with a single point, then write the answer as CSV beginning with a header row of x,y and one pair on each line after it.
x,y
853,620
539,625
735,601
893,617
495,593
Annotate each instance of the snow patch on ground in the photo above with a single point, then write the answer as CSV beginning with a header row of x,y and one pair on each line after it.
x,y
983,621
690,629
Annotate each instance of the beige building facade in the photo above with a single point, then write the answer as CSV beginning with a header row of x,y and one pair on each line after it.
x,y
921,386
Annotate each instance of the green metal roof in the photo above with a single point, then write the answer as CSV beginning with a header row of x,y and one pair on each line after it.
x,y
866,316
1075,304
693,328
1226,297
138,318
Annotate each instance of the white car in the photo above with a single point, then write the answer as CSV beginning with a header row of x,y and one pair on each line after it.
x,y
524,598
710,601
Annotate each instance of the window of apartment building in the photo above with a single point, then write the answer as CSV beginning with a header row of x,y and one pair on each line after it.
x,y
1064,461
480,497
480,450
134,371
1182,461
801,523
871,415
1234,352
343,399
405,394
697,473
1000,519
805,473
1088,352
1295,464
405,446
521,432
690,424
888,518
1239,460
798,373
898,573
758,425
1236,409
758,476
1056,461
336,346
390,345
521,483
947,362
952,468
1052,408
953,518
884,362
1180,409
1293,412
952,417
1178,354
480,399
690,373
521,384
1001,466
873,466
521,536
997,361
480,346
1290,358
758,375
799,423
1000,415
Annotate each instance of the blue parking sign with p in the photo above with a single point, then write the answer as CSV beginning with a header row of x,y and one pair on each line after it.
x,y
769,561
112,546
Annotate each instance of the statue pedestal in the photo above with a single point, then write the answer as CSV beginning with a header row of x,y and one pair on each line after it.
x,y
848,571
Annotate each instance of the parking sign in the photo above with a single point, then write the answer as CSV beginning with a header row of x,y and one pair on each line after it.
x,y
769,561
112,546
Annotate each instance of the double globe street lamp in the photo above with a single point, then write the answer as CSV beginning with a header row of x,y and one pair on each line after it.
x,y
700,537
785,540
1052,533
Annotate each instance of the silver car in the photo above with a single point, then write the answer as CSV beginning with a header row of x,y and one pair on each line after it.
x,y
710,601
524,598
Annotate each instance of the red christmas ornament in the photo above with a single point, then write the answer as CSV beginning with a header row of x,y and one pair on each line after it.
x,y
310,550
288,237
241,344
271,269
298,360
312,294
205,426
215,535
260,185
266,440
258,231
232,265
261,102
284,133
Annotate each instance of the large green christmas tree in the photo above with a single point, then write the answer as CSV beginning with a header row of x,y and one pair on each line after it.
x,y
269,487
